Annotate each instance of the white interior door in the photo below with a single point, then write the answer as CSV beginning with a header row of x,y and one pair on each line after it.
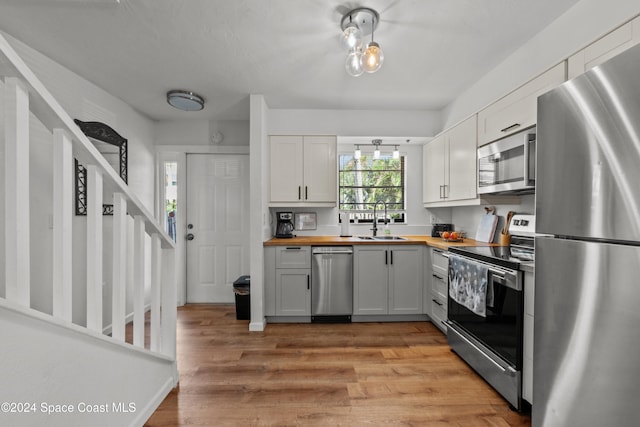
x,y
218,214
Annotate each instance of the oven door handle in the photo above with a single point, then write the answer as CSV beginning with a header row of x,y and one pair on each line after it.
x,y
497,275
507,371
501,278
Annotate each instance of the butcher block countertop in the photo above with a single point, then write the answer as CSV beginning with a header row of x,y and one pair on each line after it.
x,y
337,241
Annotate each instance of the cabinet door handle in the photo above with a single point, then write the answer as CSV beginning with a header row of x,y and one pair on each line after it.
x,y
508,128
385,258
299,190
437,302
306,192
391,257
437,277
308,282
293,248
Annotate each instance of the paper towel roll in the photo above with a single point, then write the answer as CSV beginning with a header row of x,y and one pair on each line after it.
x,y
344,226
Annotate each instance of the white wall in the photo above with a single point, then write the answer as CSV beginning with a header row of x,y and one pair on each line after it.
x,y
45,362
585,22
259,226
373,123
198,132
87,102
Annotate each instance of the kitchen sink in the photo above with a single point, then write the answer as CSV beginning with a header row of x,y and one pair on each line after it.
x,y
385,238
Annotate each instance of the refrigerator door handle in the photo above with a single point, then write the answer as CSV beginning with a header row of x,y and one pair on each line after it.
x,y
526,158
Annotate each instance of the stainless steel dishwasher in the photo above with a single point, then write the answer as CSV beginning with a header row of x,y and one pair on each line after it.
x,y
331,283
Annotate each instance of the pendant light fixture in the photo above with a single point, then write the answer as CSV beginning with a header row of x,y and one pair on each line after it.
x,y
376,152
356,24
396,153
373,56
354,62
357,154
351,35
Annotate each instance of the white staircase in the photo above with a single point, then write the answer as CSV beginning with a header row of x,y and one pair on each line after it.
x,y
55,372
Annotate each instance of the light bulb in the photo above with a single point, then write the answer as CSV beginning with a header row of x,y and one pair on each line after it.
x,y
396,153
357,154
351,36
376,153
373,58
354,63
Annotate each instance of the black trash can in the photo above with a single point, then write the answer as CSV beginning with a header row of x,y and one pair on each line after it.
x,y
243,298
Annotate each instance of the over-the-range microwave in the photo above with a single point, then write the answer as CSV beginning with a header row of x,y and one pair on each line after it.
x,y
508,165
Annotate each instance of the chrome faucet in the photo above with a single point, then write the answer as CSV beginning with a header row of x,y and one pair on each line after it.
x,y
375,218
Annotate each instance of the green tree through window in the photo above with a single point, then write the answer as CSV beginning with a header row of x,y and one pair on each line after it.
x,y
365,181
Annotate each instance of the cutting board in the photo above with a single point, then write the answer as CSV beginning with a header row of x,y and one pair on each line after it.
x,y
487,228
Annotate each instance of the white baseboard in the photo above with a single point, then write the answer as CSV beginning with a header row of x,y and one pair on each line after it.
x,y
153,404
257,326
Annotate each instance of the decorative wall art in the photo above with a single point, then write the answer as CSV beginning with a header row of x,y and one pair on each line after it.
x,y
114,149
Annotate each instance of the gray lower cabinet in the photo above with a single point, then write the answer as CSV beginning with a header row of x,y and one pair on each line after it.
x,y
388,279
370,280
287,281
439,288
293,292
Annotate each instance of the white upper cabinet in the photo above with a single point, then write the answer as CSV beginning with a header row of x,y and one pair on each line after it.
x,y
320,169
303,170
285,154
449,165
462,161
620,39
433,171
517,110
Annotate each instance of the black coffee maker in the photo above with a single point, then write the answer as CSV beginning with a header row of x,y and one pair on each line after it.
x,y
284,228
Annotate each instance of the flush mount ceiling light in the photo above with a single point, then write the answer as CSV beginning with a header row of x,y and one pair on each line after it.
x,y
185,100
361,58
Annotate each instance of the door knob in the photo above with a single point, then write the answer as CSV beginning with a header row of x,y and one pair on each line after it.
x,y
190,236
190,226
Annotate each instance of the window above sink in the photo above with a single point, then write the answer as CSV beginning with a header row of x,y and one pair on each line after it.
x,y
365,181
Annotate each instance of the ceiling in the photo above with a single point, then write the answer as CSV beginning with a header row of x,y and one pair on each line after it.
x,y
287,50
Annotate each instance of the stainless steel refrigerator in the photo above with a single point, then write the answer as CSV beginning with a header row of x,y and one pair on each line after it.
x,y
587,270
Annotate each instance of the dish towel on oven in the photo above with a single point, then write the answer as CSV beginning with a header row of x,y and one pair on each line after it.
x,y
468,284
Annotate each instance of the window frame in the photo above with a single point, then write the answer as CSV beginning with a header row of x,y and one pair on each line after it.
x,y
364,216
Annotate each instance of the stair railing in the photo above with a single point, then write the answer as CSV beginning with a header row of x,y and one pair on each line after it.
x,y
26,99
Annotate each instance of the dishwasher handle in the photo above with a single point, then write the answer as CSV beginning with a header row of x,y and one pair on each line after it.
x,y
332,250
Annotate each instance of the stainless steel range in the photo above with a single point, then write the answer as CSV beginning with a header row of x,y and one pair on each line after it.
x,y
486,308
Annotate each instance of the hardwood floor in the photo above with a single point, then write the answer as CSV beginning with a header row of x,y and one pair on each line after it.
x,y
324,375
